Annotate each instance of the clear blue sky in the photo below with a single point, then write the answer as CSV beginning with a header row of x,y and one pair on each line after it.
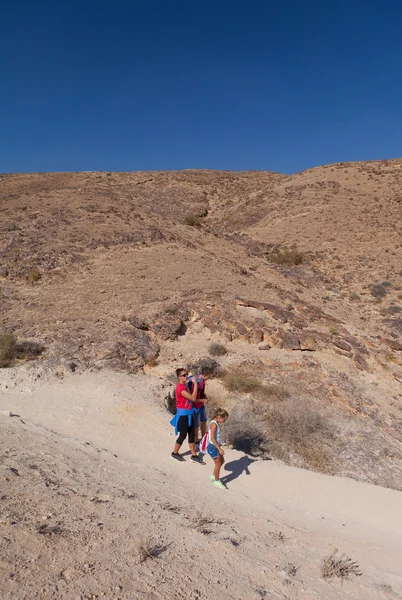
x,y
128,85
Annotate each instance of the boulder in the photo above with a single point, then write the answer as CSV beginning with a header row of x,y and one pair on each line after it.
x,y
307,342
341,344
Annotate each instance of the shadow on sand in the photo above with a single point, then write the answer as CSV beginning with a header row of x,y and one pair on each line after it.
x,y
237,468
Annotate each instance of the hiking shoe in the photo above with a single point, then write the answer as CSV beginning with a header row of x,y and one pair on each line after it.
x,y
212,477
197,459
178,457
218,483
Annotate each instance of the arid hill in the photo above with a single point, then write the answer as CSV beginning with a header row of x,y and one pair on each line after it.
x,y
300,277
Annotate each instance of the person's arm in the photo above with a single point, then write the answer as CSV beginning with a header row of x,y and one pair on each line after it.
x,y
203,397
212,429
193,396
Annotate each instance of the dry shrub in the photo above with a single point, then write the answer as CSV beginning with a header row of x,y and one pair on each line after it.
x,y
210,363
216,349
243,382
34,275
29,350
287,257
193,220
10,350
240,381
339,566
147,549
244,432
379,290
300,431
7,349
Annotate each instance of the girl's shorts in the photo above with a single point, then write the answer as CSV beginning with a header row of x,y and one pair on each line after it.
x,y
212,451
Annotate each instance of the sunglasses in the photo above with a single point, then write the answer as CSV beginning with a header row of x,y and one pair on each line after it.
x,y
183,375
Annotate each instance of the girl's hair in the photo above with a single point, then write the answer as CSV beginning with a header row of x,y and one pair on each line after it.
x,y
178,371
220,412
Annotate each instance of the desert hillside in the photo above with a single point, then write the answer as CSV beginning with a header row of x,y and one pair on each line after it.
x,y
290,288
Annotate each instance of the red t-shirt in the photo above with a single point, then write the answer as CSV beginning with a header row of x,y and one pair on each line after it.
x,y
181,401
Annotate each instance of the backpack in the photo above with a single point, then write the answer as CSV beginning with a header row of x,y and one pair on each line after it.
x,y
205,440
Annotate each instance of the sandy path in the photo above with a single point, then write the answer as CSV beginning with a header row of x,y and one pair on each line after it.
x,y
123,416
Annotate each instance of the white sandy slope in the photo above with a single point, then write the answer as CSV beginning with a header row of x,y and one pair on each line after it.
x,y
113,433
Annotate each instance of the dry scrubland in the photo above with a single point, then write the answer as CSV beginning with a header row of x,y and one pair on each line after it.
x,y
289,286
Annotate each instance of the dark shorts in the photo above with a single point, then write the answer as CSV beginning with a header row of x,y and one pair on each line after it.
x,y
200,416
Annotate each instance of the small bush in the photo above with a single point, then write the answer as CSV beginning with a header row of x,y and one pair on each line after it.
x,y
288,257
29,350
378,290
147,549
193,220
244,432
34,275
210,363
243,382
339,566
7,349
300,431
11,350
240,381
217,349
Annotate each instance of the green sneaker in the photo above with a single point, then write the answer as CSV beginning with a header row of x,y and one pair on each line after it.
x,y
218,483
212,477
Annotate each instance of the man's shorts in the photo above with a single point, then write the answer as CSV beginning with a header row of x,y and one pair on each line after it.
x,y
200,416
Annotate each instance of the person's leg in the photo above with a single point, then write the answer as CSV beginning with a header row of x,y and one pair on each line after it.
x,y
196,421
217,469
183,427
203,419
191,438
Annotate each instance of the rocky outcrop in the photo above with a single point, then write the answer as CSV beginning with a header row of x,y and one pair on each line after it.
x,y
166,322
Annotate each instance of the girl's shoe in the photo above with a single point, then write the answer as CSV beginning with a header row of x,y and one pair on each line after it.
x,y
212,477
218,483
197,459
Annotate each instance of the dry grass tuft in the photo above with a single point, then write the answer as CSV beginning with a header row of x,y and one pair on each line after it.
x,y
148,549
339,566
34,275
278,536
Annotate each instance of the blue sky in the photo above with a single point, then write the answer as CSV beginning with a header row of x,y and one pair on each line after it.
x,y
142,85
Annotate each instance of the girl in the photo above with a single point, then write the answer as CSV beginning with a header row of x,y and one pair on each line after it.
x,y
183,421
214,448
